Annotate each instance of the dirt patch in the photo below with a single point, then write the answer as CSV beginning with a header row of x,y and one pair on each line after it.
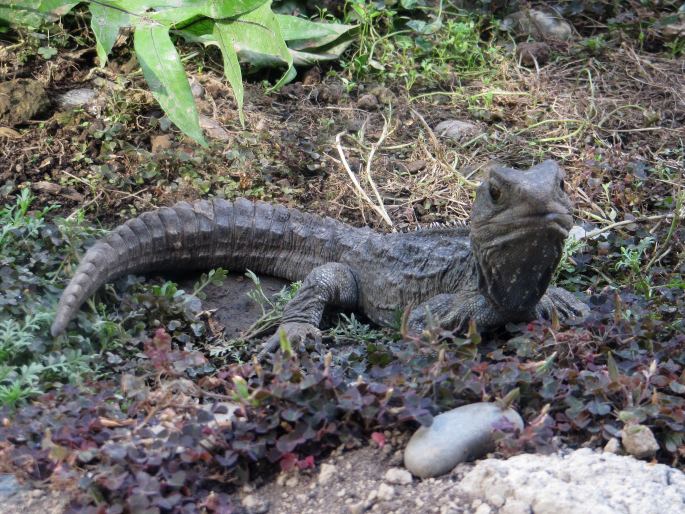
x,y
231,307
355,481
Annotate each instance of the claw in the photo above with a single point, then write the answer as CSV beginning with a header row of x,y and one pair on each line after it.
x,y
567,305
296,333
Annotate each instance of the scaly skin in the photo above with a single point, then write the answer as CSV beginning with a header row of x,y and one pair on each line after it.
x,y
496,272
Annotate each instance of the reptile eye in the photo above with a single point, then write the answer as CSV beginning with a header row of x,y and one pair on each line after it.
x,y
562,184
495,193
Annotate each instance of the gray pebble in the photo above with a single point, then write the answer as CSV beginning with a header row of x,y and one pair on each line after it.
x,y
539,25
639,441
462,434
456,130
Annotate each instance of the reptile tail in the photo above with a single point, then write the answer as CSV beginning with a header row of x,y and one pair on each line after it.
x,y
238,235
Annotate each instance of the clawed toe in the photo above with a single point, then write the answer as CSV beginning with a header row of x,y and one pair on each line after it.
x,y
296,333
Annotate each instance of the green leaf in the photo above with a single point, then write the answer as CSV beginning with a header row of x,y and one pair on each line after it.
x,y
302,34
22,12
284,342
215,9
166,77
47,52
241,387
106,24
57,7
612,368
224,38
331,53
257,39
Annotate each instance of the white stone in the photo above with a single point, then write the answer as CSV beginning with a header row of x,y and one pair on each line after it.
x,y
327,472
483,508
385,492
582,481
398,476
455,436
613,446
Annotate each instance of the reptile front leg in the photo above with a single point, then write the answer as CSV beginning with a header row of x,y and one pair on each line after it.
x,y
454,311
568,307
330,284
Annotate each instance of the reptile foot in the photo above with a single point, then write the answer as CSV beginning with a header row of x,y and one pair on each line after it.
x,y
297,333
569,308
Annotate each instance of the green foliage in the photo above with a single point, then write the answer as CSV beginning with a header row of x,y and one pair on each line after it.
x,y
36,254
350,329
244,30
29,361
416,48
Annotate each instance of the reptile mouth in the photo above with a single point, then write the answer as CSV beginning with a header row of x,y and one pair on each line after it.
x,y
558,222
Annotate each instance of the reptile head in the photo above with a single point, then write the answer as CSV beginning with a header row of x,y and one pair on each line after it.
x,y
518,225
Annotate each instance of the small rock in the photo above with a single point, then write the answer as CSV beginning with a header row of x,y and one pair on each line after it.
x,y
255,505
76,98
483,508
356,508
639,441
21,100
456,130
327,472
213,128
514,506
385,492
196,88
330,94
461,434
613,446
47,187
312,76
414,166
292,482
533,53
160,143
9,486
71,194
384,95
368,102
538,25
398,476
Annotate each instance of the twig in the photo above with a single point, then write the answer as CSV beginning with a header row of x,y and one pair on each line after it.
x,y
380,210
598,231
369,160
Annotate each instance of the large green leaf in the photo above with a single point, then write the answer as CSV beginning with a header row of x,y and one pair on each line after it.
x,y
179,12
106,23
57,7
22,12
224,38
302,34
257,38
166,77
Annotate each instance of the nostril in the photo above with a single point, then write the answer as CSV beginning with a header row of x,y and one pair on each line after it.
x,y
563,220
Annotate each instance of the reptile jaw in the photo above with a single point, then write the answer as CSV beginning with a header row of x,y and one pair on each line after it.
x,y
560,222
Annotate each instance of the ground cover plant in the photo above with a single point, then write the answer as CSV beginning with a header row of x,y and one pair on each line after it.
x,y
148,405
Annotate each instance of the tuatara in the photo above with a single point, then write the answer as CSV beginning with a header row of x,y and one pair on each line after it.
x,y
495,271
